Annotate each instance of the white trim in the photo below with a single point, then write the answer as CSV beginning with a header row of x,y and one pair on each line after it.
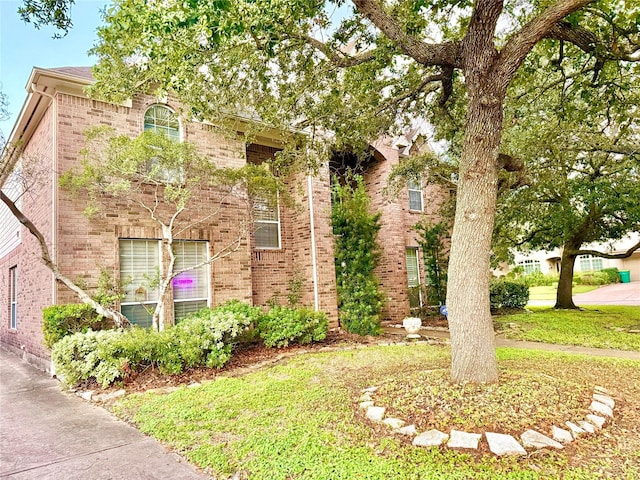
x,y
277,222
13,298
314,261
409,190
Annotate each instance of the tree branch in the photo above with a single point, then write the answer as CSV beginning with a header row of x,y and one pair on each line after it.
x,y
520,44
426,54
612,256
339,59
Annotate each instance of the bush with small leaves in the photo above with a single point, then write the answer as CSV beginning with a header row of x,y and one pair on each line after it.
x,y
62,320
612,274
283,326
204,338
77,357
505,294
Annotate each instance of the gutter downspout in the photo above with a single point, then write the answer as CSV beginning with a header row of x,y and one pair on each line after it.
x,y
54,184
314,261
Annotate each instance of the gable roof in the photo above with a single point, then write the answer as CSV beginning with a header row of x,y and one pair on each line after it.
x,y
82,72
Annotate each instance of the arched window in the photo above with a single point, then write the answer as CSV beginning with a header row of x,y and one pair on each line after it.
x,y
162,119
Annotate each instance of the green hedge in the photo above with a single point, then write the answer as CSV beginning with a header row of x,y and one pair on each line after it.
x,y
282,326
58,321
205,338
505,294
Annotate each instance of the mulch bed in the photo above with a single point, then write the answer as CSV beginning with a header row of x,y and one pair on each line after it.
x,y
244,357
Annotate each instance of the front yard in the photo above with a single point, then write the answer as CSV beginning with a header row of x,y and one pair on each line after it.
x,y
299,419
594,326
549,292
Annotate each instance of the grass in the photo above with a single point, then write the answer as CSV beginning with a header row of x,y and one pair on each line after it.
x,y
596,326
549,293
300,419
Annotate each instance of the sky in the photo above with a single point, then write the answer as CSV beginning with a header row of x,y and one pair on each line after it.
x,y
22,47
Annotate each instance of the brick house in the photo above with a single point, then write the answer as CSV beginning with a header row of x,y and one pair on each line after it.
x,y
286,243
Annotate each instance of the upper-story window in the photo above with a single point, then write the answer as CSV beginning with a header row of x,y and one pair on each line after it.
x,y
415,194
160,118
266,213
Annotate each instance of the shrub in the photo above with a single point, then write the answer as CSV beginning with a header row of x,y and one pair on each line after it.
x,y
76,357
62,320
207,336
204,338
539,279
591,278
357,255
612,274
283,326
505,294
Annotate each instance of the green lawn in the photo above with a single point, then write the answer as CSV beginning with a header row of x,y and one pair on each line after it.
x,y
593,326
300,419
549,293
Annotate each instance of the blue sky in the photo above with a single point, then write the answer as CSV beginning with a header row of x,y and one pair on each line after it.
x,y
22,47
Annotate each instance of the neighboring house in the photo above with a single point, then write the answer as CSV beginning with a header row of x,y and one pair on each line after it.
x,y
549,261
286,243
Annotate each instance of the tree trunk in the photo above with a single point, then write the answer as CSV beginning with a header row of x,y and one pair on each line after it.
x,y
473,357
564,295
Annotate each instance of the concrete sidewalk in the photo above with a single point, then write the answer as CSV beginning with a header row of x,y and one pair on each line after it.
x,y
549,347
48,434
614,294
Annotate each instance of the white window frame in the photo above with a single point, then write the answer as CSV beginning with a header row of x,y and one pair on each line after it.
x,y
259,205
415,186
152,295
154,298
207,272
13,298
161,128
530,266
593,263
415,251
165,175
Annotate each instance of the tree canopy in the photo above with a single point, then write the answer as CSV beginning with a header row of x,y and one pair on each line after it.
x,y
579,136
295,65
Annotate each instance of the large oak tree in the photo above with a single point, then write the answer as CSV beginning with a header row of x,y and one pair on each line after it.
x,y
285,63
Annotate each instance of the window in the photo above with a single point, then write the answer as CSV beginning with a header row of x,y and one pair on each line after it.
x,y
162,119
190,288
589,263
415,195
267,222
530,266
140,271
13,298
413,277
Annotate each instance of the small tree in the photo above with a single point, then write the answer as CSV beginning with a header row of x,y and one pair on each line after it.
x,y
357,254
159,176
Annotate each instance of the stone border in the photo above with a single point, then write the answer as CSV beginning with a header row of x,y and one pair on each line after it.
x,y
602,406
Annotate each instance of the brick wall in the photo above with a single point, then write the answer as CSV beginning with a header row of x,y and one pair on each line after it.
x,y
86,245
396,233
34,280
275,270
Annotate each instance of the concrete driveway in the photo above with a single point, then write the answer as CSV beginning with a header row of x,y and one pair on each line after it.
x,y
614,294
48,434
